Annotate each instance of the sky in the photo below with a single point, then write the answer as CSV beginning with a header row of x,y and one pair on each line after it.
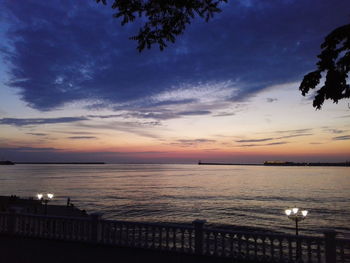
x,y
74,87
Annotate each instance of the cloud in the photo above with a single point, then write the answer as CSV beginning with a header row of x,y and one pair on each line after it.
x,y
37,134
271,100
294,131
29,149
173,102
82,137
192,142
297,133
139,128
344,116
39,121
66,52
276,143
266,144
160,115
106,116
224,114
164,114
199,112
293,136
331,130
255,140
342,138
75,132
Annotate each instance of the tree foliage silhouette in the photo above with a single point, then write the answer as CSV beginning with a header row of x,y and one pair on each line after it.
x,y
165,19
334,61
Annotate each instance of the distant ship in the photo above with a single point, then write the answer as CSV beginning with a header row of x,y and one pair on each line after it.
x,y
6,163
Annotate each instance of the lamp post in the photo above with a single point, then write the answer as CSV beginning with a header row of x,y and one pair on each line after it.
x,y
45,198
296,215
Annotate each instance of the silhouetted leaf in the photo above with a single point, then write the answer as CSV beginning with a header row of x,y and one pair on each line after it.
x,y
165,19
334,61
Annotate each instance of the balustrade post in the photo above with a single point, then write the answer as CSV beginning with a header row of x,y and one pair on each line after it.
x,y
12,223
198,236
95,227
330,246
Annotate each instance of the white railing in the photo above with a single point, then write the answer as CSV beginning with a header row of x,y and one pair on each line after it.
x,y
264,247
148,235
193,239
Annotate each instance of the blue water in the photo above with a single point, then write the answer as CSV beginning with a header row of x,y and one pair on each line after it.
x,y
249,196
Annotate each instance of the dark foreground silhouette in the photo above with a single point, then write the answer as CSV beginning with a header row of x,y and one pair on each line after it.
x,y
26,250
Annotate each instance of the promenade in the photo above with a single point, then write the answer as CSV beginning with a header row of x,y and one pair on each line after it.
x,y
28,250
30,237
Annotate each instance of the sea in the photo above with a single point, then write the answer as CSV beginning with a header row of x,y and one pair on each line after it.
x,y
229,196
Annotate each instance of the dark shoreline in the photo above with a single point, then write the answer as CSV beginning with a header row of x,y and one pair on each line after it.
x,y
250,164
346,164
59,162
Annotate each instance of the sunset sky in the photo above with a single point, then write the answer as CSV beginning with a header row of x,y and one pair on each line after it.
x,y
75,88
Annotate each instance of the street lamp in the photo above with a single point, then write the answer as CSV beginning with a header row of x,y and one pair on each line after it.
x,y
296,215
42,198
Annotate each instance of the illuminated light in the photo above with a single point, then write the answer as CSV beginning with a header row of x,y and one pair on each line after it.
x,y
50,196
40,196
295,210
288,212
304,212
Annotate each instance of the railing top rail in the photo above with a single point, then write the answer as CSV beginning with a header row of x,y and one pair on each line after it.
x,y
47,216
169,225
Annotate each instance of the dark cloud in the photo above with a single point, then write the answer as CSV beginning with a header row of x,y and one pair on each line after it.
x,y
342,138
160,115
266,144
255,140
39,121
145,152
331,130
224,114
75,132
106,116
37,134
199,112
28,149
136,127
298,134
293,136
164,114
295,131
172,102
192,142
82,137
336,131
271,100
63,52
276,143
196,141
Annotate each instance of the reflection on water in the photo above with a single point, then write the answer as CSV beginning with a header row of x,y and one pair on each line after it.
x,y
254,196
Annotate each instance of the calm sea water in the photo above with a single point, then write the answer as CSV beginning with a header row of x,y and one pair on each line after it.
x,y
249,196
